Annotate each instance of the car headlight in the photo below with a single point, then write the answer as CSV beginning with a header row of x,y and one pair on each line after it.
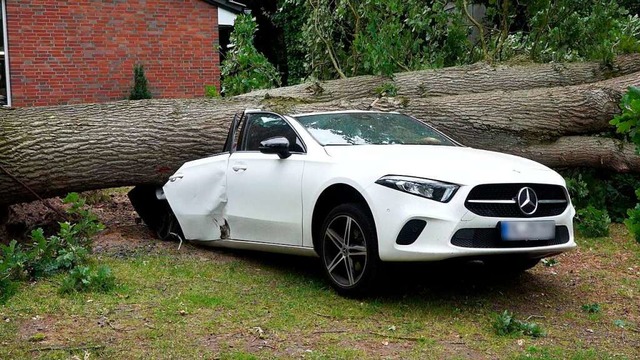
x,y
430,189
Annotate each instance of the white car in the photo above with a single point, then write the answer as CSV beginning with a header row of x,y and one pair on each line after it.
x,y
359,188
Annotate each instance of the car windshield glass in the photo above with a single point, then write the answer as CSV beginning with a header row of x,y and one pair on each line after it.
x,y
370,128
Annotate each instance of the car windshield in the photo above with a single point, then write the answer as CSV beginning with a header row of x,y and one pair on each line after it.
x,y
360,128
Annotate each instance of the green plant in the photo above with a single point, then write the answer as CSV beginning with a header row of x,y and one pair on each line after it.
x,y
86,279
627,123
549,262
591,308
140,88
387,89
348,38
629,118
211,91
633,221
245,68
291,17
86,223
612,192
592,222
45,256
506,324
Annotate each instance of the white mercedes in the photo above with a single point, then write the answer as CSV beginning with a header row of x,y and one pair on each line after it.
x,y
359,188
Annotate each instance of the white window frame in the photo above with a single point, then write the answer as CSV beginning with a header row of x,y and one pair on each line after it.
x,y
6,52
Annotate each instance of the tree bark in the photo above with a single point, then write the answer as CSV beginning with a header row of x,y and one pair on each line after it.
x,y
54,150
469,79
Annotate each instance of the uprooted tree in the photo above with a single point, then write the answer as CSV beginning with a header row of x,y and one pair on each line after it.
x,y
557,114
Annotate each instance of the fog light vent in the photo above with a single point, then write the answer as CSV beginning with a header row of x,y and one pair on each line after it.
x,y
410,232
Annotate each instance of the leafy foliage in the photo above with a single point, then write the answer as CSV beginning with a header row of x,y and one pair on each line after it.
x,y
45,256
291,18
387,89
506,324
600,198
86,279
245,68
211,91
140,88
591,308
569,30
633,221
348,38
628,120
592,222
627,123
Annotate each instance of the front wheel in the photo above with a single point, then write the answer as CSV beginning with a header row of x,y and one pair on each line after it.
x,y
349,249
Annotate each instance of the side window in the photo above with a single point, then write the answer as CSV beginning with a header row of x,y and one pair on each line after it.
x,y
259,127
231,143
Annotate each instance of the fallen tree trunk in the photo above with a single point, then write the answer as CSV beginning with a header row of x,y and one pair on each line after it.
x,y
54,150
584,151
469,79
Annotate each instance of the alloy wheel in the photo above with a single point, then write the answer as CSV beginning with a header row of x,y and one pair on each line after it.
x,y
345,251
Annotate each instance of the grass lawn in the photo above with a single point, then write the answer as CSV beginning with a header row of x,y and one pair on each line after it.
x,y
207,303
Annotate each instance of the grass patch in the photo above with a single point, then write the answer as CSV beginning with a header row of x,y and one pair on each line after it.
x,y
243,305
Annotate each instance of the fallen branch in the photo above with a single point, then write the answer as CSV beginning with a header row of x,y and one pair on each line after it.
x,y
68,348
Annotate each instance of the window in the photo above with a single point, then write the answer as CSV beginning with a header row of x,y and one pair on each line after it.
x,y
359,128
5,84
259,127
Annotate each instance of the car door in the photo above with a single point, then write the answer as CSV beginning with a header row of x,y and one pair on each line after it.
x,y
264,191
197,192
197,195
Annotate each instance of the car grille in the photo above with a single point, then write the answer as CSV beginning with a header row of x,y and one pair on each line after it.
x,y
499,200
490,238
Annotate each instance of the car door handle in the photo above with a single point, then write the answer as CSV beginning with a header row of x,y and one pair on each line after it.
x,y
175,177
239,168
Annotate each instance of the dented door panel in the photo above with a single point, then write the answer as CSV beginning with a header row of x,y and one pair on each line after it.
x,y
197,194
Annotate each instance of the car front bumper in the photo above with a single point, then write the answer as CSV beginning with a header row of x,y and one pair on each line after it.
x,y
392,209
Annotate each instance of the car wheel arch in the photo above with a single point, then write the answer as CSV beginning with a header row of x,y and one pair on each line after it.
x,y
332,196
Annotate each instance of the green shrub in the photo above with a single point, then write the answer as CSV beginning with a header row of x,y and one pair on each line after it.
x,y
506,324
627,123
629,118
44,256
603,190
140,88
592,222
86,279
633,222
211,91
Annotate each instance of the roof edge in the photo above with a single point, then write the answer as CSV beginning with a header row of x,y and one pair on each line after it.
x,y
229,5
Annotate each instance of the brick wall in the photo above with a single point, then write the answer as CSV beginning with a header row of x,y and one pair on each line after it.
x,y
81,51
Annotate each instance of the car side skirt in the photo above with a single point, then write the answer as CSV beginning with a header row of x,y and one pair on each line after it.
x,y
259,246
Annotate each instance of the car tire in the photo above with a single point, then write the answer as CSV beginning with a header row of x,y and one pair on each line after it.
x,y
169,227
351,266
511,264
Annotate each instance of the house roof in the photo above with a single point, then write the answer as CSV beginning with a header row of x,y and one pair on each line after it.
x,y
229,5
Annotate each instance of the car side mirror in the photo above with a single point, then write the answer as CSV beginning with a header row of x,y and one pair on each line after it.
x,y
276,145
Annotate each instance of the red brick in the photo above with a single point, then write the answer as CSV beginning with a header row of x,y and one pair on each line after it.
x,y
84,50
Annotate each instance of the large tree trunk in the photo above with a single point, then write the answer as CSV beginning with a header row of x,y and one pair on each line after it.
x,y
468,79
53,150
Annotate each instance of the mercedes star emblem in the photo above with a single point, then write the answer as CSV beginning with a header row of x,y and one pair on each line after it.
x,y
527,201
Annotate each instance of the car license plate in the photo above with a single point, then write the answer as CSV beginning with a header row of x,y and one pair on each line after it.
x,y
528,230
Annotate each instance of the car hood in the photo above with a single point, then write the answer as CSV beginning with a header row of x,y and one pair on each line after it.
x,y
461,165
